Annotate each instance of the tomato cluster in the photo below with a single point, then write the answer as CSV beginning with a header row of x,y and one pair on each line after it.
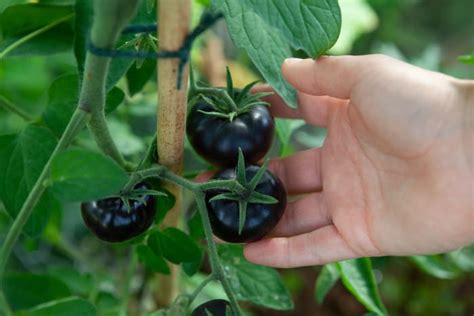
x,y
221,123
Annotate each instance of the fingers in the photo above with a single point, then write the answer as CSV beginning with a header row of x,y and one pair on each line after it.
x,y
319,247
303,216
315,110
332,76
301,172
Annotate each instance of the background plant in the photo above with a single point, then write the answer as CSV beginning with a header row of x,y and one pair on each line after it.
x,y
57,267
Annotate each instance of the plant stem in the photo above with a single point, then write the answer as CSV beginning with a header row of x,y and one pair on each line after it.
x,y
78,120
39,31
216,265
9,106
103,138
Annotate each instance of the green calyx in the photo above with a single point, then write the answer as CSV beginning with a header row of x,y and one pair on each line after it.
x,y
228,102
248,193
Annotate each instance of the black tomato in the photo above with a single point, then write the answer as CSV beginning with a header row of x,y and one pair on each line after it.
x,y
217,139
260,218
213,308
110,219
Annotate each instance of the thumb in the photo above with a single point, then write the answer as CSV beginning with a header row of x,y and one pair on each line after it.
x,y
332,76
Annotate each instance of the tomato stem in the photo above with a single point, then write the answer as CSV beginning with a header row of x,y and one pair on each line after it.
x,y
215,262
9,106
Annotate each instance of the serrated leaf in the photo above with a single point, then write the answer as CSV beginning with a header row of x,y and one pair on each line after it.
x,y
74,176
25,290
436,266
152,261
22,158
257,284
358,277
326,280
174,245
269,29
71,306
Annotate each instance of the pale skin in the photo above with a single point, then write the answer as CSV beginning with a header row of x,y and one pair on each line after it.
x,y
395,175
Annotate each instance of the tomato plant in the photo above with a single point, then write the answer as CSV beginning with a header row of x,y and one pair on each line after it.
x,y
82,133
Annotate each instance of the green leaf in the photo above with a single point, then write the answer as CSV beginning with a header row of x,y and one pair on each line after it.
x,y
284,130
358,277
327,278
75,176
164,205
25,290
191,268
175,245
138,77
195,226
22,158
151,261
33,17
79,283
463,258
257,284
436,266
71,306
63,96
269,29
467,59
8,3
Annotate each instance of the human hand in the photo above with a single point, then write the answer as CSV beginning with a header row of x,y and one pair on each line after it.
x,y
395,173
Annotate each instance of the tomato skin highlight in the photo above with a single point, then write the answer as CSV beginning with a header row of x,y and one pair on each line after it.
x,y
260,218
110,220
217,139
213,307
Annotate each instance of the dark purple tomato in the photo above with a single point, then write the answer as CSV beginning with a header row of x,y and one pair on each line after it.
x,y
260,218
217,139
110,220
213,308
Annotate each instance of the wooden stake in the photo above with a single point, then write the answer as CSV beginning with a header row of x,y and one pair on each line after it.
x,y
173,19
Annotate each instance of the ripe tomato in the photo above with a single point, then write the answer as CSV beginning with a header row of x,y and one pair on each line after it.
x,y
110,219
217,139
260,218
213,308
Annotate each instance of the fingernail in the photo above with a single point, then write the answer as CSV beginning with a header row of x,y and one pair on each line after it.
x,y
292,61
